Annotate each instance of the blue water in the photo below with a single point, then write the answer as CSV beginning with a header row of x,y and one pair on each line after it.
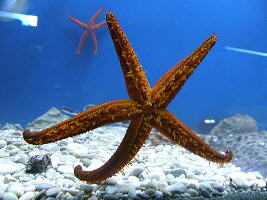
x,y
39,67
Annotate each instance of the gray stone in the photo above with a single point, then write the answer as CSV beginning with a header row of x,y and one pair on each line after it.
x,y
8,126
27,196
150,192
111,181
10,196
52,192
176,188
87,188
9,168
110,197
219,188
205,193
178,172
52,147
240,133
236,125
192,192
142,195
136,171
111,190
41,186
50,118
3,143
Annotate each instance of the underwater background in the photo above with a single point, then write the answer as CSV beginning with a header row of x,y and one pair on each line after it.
x,y
39,67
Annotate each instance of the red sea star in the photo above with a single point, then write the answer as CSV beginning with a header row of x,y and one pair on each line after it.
x,y
89,29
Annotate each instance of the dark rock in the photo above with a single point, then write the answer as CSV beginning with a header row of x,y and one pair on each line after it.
x,y
205,193
110,197
150,192
38,164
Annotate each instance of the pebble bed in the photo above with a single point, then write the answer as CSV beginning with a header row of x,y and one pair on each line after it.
x,y
164,171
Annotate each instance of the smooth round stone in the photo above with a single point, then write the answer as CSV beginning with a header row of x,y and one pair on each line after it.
x,y
2,179
10,196
50,173
193,186
134,180
3,144
21,160
9,168
111,190
150,192
42,186
27,196
132,193
170,179
192,192
69,176
86,188
162,186
176,188
3,187
219,188
158,194
186,195
178,172
206,185
158,175
110,197
239,181
93,198
152,185
52,192
17,189
205,193
142,195
124,188
136,171
52,147
86,161
30,188
261,183
65,169
77,149
111,181
72,191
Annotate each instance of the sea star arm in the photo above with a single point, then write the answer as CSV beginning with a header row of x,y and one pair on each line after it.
x,y
136,83
107,113
135,137
82,41
93,38
177,132
99,25
93,18
171,83
82,25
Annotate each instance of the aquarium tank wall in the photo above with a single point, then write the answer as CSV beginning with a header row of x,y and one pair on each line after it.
x,y
58,59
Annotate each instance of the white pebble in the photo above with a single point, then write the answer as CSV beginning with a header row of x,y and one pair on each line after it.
x,y
27,196
10,196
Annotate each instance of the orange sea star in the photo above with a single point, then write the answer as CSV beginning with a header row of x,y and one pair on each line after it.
x,y
145,109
